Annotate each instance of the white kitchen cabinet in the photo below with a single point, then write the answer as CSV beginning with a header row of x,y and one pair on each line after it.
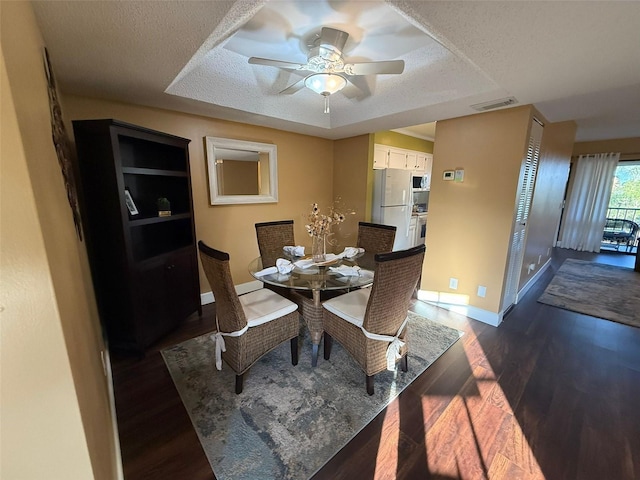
x,y
412,159
398,158
385,156
428,166
380,156
420,162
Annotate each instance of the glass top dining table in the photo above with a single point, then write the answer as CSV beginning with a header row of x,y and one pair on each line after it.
x,y
322,280
319,277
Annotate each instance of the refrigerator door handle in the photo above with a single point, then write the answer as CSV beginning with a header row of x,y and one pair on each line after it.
x,y
408,220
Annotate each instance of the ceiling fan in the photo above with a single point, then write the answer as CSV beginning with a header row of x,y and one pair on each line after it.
x,y
326,63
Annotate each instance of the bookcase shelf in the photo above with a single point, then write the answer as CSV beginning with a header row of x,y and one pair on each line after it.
x,y
144,266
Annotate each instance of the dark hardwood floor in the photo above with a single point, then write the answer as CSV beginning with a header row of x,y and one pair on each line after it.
x,y
550,394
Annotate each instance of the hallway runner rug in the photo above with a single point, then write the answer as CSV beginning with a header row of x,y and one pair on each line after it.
x,y
596,289
289,420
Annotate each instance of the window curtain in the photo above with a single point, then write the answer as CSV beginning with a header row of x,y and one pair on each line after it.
x,y
586,210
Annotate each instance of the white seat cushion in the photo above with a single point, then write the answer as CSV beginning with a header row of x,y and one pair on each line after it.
x,y
350,306
262,306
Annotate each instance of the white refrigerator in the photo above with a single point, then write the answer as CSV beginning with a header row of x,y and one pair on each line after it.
x,y
393,203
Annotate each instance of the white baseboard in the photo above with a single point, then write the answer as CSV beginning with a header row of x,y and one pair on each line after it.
x,y
523,291
470,311
106,363
241,288
479,314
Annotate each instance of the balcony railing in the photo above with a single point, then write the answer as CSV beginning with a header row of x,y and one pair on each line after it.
x,y
632,214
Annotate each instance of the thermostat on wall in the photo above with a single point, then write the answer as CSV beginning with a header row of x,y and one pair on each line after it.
x,y
448,175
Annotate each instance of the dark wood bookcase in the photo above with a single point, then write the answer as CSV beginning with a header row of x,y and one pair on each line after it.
x,y
144,266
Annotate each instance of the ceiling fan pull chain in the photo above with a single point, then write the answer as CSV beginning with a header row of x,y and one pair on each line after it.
x,y
326,104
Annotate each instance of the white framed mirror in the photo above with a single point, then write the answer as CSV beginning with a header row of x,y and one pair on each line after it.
x,y
241,171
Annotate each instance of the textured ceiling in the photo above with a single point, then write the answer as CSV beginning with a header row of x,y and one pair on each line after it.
x,y
572,60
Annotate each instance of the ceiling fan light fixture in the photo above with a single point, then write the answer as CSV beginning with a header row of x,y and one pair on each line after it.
x,y
325,83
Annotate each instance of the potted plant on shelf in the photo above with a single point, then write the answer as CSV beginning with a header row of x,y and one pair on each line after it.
x,y
164,207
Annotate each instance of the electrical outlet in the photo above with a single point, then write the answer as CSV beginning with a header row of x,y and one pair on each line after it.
x,y
453,283
482,291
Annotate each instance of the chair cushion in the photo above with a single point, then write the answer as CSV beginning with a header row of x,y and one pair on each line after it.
x,y
350,306
262,306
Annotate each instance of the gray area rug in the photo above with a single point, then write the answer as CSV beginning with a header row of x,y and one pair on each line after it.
x,y
596,289
289,421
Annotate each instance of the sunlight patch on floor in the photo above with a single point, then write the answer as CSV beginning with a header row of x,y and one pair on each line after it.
x,y
387,456
476,435
443,297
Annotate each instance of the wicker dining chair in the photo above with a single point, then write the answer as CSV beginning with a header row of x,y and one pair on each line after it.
x,y
369,323
272,237
249,325
376,238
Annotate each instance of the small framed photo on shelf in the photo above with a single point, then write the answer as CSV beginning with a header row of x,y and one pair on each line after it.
x,y
133,210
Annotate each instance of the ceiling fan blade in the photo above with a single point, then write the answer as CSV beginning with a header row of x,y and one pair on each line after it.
x,y
357,88
276,63
332,37
372,68
294,87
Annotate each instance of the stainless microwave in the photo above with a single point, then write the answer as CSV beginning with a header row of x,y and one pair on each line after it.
x,y
420,182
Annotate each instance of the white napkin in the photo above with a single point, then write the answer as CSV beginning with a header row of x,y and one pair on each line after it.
x,y
297,251
304,264
350,252
330,257
283,265
267,271
346,270
365,275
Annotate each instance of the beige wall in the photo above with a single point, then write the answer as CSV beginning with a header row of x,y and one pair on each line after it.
x,y
469,223
546,207
352,183
305,176
55,414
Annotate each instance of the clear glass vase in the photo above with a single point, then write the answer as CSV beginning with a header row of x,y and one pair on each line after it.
x,y
319,248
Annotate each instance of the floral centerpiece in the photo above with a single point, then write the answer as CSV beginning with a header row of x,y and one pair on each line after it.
x,y
319,229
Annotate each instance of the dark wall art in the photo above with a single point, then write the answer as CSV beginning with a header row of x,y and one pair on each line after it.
x,y
61,143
